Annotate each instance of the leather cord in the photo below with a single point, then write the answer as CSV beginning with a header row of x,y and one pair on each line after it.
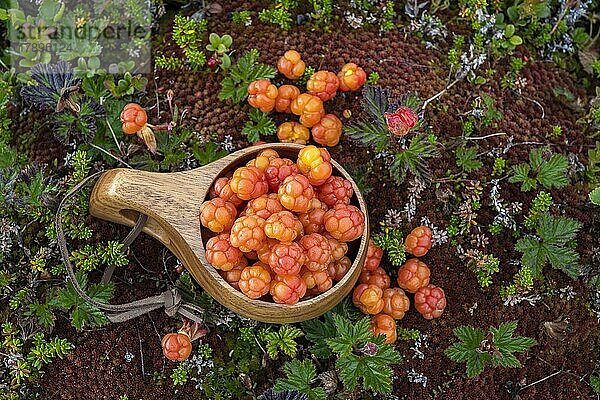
x,y
169,299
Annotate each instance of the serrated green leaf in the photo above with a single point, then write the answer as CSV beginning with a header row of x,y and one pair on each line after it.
x,y
595,196
559,230
476,364
470,336
299,375
552,173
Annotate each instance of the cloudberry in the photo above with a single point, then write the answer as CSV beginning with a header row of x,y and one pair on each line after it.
x,y
327,131
316,281
133,118
309,108
335,190
318,252
248,234
233,275
278,170
338,248
263,206
293,132
287,289
401,121
262,94
338,269
217,215
430,301
261,161
378,278
323,84
251,255
176,346
248,183
345,222
368,298
315,163
286,258
374,255
255,281
296,193
283,226
395,303
382,324
221,254
413,274
312,221
418,241
291,65
223,190
351,77
286,94
265,251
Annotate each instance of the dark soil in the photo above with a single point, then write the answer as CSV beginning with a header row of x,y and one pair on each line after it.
x,y
97,369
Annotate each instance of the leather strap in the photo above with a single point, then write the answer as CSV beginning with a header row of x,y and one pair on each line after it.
x,y
169,299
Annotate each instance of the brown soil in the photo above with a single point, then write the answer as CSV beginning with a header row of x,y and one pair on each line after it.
x,y
96,369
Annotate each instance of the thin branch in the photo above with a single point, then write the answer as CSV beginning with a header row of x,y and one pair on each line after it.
x,y
542,380
111,155
429,100
114,136
536,103
485,137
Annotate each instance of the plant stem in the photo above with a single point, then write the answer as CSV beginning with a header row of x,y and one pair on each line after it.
x,y
541,380
111,155
484,137
429,100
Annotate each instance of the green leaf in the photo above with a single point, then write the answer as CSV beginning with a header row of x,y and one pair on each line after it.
x,y
318,332
209,153
509,30
260,124
595,196
466,158
476,364
246,70
552,173
299,375
516,40
558,230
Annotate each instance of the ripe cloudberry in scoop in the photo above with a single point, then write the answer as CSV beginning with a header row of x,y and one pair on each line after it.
x,y
338,269
338,248
287,289
134,118
263,206
223,190
285,96
265,251
316,281
383,324
293,132
327,131
344,222
248,183
217,215
317,250
374,255
413,274
278,170
262,160
176,346
430,301
312,221
418,241
315,164
291,65
309,108
378,277
287,258
233,275
401,121
247,233
351,77
283,226
368,298
395,303
323,84
335,190
296,193
262,94
255,281
221,254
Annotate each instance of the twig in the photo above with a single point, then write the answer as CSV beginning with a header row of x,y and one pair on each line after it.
x,y
536,103
541,380
429,100
114,136
137,327
484,137
111,155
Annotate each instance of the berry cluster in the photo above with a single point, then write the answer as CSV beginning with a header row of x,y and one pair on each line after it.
x,y
283,226
321,86
374,295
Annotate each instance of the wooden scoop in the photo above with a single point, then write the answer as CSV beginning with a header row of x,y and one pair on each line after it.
x,y
172,202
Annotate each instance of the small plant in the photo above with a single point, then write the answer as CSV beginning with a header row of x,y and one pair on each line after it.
x,y
484,266
260,124
208,153
522,283
300,376
282,340
495,348
550,245
391,241
181,374
387,17
373,78
246,70
550,172
555,132
90,257
280,14
595,196
466,158
540,205
188,33
408,334
499,167
219,46
241,18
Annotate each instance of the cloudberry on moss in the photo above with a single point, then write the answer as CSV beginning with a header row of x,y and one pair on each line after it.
x,y
368,298
248,183
413,274
351,77
255,281
335,190
323,84
248,234
296,193
395,303
278,170
293,132
287,289
315,164
345,222
176,346
430,301
221,254
133,118
418,241
309,108
217,215
318,252
262,94
283,226
291,65
374,255
328,131
263,206
382,324
286,258
378,277
285,96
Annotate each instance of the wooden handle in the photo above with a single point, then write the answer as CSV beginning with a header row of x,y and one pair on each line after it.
x,y
172,201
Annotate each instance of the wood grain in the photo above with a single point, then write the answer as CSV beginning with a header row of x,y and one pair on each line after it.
x,y
172,201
